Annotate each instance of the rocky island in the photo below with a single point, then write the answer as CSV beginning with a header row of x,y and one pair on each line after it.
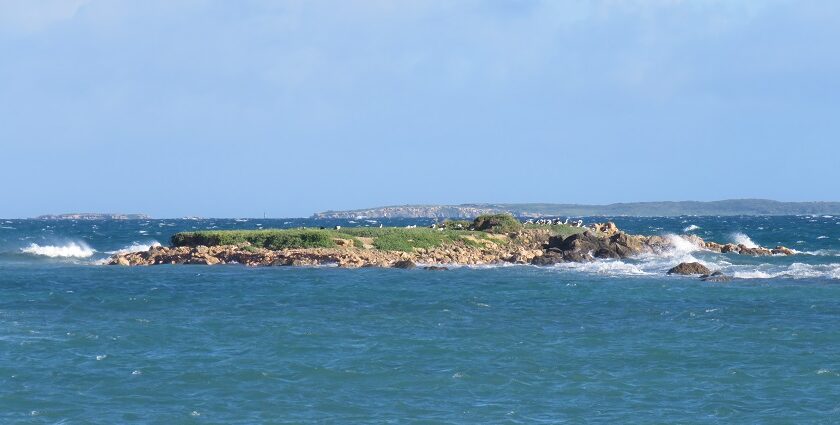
x,y
489,239
93,216
728,207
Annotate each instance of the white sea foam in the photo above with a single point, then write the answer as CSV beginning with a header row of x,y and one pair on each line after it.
x,y
742,239
680,245
822,237
69,250
135,247
793,271
607,267
821,252
691,228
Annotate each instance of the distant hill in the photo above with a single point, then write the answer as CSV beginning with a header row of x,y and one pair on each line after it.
x,y
639,209
93,216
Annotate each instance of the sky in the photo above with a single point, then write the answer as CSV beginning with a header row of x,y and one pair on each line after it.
x,y
240,108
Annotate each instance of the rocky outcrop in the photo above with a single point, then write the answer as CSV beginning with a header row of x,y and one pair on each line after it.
x,y
747,250
588,246
690,268
608,229
518,249
529,246
404,264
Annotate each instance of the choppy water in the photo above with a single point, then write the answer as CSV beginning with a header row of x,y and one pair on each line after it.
x,y
611,342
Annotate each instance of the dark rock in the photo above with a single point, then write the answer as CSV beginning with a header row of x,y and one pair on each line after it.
x,y
690,268
282,262
577,257
717,276
730,247
550,258
435,268
607,253
586,241
404,264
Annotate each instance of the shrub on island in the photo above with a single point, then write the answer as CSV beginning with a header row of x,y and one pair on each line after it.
x,y
271,239
457,225
387,238
497,223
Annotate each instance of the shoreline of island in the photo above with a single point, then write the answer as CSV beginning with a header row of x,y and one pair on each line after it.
x,y
487,240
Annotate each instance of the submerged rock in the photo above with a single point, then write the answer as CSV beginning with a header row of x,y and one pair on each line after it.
x,y
717,276
404,264
436,268
690,268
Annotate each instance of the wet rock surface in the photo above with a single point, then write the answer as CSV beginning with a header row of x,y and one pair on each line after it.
x,y
690,268
717,276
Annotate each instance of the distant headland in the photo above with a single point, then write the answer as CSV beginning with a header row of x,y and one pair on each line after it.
x,y
728,207
93,216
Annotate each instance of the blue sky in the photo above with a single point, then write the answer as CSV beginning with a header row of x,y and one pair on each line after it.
x,y
235,108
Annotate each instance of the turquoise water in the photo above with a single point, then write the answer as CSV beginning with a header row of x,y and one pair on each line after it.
x,y
613,342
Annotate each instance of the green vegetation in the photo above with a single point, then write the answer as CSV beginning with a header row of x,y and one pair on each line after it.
x,y
386,238
497,223
457,225
405,239
271,239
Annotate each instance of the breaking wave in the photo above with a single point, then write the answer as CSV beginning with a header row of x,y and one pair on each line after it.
x,y
607,267
691,228
742,239
69,250
793,271
822,252
684,249
135,247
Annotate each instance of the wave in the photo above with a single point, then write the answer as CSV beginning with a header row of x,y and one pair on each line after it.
x,y
69,250
135,247
653,268
793,271
691,228
681,245
821,252
742,239
607,267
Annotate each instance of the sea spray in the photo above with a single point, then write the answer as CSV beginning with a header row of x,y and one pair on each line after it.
x,y
742,239
135,247
69,250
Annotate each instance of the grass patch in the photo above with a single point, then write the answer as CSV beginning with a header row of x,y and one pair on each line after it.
x,y
386,238
269,238
457,225
403,239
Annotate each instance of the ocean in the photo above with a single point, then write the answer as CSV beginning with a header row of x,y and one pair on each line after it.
x,y
604,342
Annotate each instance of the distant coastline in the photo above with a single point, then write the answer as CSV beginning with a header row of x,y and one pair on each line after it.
x,y
93,216
729,207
